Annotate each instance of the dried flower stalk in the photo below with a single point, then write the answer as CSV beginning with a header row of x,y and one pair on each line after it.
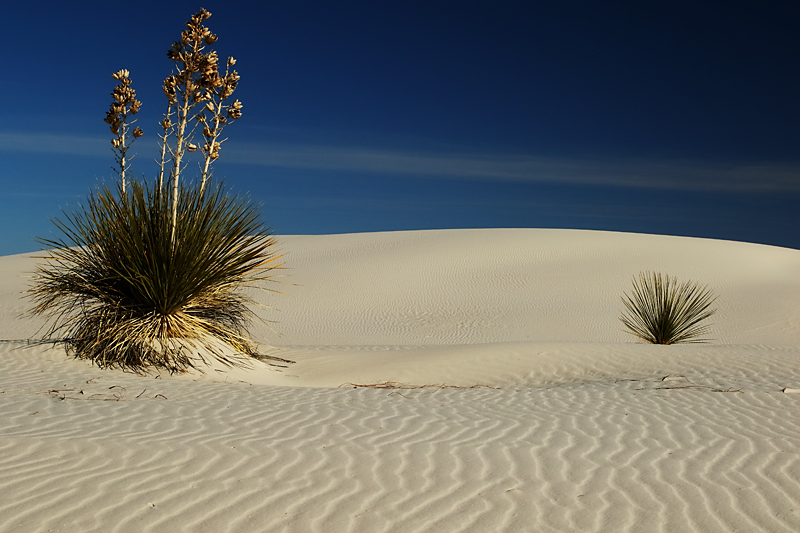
x,y
196,84
166,125
221,115
196,96
124,104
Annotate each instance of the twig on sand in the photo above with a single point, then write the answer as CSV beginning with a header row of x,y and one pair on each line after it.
x,y
695,387
398,385
268,358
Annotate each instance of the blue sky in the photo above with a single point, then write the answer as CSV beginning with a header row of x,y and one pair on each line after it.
x,y
674,117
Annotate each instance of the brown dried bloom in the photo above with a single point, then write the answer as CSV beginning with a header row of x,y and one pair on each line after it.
x,y
124,103
231,81
212,149
170,87
137,132
235,110
175,53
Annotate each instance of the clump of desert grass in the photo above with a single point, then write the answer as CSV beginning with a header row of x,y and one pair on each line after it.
x,y
660,310
152,273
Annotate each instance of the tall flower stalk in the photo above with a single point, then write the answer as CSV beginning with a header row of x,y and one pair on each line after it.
x,y
196,94
124,105
221,114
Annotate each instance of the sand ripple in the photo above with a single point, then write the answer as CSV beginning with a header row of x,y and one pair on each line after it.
x,y
605,455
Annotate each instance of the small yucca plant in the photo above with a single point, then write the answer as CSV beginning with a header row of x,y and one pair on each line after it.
x,y
151,274
661,311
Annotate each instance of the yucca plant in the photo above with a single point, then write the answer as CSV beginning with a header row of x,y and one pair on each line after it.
x,y
151,274
662,311
124,295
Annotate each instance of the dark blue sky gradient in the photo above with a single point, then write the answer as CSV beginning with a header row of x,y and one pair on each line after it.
x,y
675,117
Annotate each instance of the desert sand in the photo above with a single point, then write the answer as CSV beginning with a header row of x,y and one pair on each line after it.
x,y
454,380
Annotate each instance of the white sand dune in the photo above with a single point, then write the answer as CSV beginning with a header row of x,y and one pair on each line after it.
x,y
518,403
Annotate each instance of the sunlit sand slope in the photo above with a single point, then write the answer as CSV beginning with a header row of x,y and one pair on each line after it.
x,y
479,286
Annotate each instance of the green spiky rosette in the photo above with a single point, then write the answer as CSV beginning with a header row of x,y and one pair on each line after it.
x,y
122,290
662,311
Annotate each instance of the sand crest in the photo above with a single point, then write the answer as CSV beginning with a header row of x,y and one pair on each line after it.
x,y
463,380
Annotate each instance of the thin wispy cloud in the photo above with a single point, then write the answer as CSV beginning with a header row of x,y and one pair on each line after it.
x,y
45,143
639,173
610,171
